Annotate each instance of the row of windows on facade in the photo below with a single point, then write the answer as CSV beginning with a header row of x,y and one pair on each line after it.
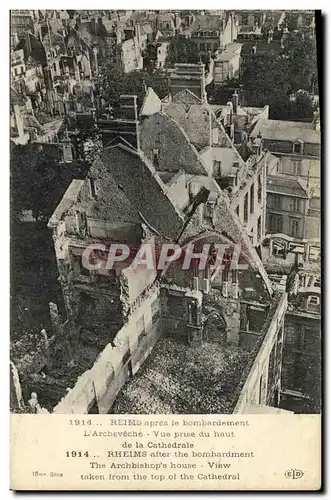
x,y
207,273
297,147
276,224
245,19
295,166
304,339
280,202
206,47
207,33
53,52
18,71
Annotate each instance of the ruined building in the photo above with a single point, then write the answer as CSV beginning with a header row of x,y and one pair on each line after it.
x,y
174,340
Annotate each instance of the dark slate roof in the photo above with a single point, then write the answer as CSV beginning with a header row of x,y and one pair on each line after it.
x,y
112,203
283,130
144,189
175,150
286,185
37,49
186,97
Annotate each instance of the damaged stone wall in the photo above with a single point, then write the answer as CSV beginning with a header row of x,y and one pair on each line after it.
x,y
228,308
117,362
135,282
253,387
181,312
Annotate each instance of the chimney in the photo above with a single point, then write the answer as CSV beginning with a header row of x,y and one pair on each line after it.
x,y
235,102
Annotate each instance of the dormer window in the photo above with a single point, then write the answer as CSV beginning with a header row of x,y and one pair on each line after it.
x,y
298,147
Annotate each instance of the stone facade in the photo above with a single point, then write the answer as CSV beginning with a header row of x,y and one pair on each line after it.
x,y
297,147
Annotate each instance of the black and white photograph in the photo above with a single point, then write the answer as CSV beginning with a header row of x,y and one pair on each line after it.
x,y
165,217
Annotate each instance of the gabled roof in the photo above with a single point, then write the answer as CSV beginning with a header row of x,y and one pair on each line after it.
x,y
176,149
143,188
119,140
196,119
